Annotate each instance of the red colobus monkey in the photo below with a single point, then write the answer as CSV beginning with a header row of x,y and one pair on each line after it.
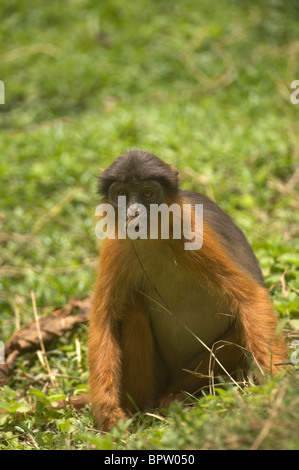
x,y
161,311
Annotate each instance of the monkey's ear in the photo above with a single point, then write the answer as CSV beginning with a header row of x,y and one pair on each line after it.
x,y
175,171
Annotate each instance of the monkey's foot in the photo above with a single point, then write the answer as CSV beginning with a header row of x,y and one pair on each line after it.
x,y
168,398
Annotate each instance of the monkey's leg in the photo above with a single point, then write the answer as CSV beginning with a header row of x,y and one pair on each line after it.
x,y
246,299
225,357
257,328
137,348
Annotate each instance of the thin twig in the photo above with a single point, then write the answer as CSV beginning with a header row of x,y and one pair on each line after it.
x,y
43,350
54,210
283,283
154,415
269,422
78,351
24,51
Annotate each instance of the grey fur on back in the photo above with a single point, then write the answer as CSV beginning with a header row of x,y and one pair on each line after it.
x,y
234,240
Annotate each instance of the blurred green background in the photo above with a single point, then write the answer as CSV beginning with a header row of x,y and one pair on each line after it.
x,y
203,85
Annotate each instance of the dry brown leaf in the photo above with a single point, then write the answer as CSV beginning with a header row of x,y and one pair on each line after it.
x,y
52,326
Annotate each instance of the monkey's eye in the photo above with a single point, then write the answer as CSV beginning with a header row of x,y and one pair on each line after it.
x,y
147,193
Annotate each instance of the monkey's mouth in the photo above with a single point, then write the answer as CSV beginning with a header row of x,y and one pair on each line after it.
x,y
130,219
137,226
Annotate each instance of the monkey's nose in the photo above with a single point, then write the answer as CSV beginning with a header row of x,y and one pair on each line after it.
x,y
133,211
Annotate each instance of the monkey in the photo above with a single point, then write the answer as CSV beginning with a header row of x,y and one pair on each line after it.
x,y
166,319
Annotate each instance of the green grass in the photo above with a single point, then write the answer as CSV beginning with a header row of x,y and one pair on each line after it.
x,y
205,87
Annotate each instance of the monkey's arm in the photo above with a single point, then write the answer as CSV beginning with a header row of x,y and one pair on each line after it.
x,y
105,356
228,267
104,365
120,341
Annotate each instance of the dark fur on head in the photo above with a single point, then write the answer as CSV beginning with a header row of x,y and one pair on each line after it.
x,y
136,166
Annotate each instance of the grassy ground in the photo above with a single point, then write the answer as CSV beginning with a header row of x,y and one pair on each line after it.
x,y
205,87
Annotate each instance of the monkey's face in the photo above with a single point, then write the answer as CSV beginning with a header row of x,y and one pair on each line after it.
x,y
142,193
135,185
